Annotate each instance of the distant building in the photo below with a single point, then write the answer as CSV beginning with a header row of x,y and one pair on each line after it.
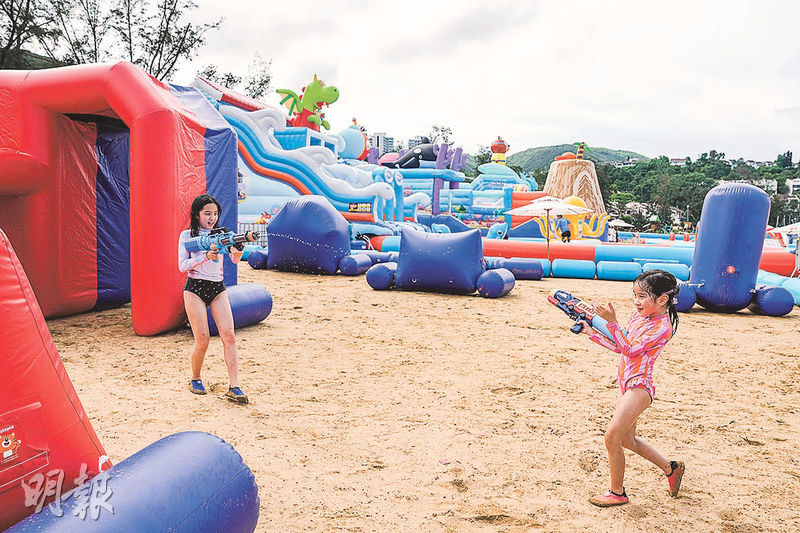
x,y
627,163
677,161
770,186
793,185
382,142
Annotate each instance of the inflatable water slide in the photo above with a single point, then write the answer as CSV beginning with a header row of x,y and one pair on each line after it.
x,y
278,163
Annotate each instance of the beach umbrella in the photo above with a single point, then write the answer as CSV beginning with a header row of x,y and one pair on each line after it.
x,y
619,223
546,206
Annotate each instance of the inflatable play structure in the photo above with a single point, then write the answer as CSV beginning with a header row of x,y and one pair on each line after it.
x,y
571,175
280,163
620,261
728,252
499,148
307,107
46,438
99,165
441,262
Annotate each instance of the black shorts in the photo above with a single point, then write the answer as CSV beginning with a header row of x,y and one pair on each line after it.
x,y
566,234
206,290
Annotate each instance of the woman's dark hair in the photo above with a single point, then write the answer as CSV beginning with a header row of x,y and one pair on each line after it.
x,y
658,282
197,206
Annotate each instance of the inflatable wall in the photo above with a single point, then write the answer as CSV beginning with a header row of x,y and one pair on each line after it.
x,y
98,167
43,425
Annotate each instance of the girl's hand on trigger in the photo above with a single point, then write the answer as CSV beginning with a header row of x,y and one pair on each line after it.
x,y
212,254
236,253
606,312
587,328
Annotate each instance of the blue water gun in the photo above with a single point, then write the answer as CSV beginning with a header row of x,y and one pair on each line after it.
x,y
578,310
222,240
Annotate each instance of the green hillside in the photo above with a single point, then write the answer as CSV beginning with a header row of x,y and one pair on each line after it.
x,y
540,157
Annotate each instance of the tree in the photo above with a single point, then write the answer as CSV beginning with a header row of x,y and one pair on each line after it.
x,y
254,84
153,34
24,24
440,133
158,38
784,160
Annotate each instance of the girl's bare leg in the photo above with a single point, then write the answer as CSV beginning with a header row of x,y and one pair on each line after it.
x,y
633,443
196,312
223,317
630,406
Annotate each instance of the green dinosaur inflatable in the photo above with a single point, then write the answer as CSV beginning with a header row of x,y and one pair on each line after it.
x,y
306,107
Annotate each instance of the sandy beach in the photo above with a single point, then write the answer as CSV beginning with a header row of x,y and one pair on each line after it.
x,y
400,411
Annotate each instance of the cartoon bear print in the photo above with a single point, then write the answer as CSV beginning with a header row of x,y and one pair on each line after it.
x,y
9,445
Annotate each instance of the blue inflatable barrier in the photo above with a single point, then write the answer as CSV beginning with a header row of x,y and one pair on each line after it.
x,y
772,301
307,235
381,276
622,252
250,303
574,268
379,257
257,259
678,270
618,270
521,267
730,239
354,265
495,283
687,297
440,262
189,482
793,286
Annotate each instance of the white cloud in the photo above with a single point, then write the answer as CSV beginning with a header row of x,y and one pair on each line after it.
x,y
675,78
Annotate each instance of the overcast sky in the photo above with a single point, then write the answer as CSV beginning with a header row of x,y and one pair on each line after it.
x,y
673,78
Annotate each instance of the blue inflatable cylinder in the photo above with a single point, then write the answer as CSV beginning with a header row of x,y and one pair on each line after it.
x,y
769,278
187,482
687,297
730,238
391,243
250,248
257,259
772,301
618,270
381,276
574,268
353,265
520,267
678,270
793,286
623,252
250,303
495,283
379,257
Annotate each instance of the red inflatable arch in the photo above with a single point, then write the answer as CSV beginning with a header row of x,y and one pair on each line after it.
x,y
43,203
